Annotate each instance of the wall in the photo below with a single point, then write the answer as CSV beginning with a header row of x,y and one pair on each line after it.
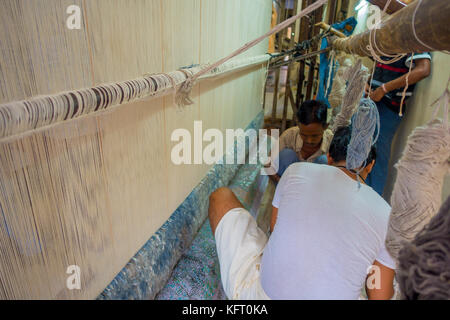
x,y
91,192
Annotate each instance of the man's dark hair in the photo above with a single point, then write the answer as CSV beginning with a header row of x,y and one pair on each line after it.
x,y
338,146
312,111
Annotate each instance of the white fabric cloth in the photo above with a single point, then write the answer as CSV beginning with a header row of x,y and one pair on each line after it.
x,y
327,235
240,244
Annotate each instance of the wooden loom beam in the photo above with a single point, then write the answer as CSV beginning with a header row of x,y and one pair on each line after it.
x,y
396,34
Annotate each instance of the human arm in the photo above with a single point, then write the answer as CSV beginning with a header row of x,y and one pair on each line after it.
x,y
421,70
275,178
273,218
380,282
279,190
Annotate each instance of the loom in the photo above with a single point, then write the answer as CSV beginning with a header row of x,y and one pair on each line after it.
x,y
86,117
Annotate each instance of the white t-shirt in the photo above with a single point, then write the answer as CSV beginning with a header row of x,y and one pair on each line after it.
x,y
328,233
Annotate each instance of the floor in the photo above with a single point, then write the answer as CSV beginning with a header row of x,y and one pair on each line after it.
x,y
197,274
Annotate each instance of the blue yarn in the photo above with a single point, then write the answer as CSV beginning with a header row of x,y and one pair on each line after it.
x,y
364,123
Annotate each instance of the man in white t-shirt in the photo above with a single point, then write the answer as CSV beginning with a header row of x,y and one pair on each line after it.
x,y
328,231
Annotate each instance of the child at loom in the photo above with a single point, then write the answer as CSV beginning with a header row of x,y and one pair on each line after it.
x,y
304,142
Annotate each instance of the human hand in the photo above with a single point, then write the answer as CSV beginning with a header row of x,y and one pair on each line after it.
x,y
377,94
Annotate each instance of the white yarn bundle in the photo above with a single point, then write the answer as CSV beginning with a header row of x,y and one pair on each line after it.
x,y
417,192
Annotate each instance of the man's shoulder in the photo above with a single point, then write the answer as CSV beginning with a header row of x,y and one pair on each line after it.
x,y
305,168
377,203
293,131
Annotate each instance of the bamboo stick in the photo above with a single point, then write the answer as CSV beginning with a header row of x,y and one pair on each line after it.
x,y
326,27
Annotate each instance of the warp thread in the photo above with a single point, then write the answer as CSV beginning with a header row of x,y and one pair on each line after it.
x,y
417,191
184,90
423,265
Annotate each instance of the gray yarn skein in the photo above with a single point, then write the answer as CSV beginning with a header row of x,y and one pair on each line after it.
x,y
364,123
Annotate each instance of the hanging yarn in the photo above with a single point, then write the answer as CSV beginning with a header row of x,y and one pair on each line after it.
x,y
364,123
356,77
184,90
417,191
339,83
423,265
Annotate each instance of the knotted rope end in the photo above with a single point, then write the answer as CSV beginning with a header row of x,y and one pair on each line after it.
x,y
182,95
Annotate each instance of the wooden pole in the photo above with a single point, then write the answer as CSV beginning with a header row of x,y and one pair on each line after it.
x,y
304,30
294,107
281,17
312,67
331,11
288,81
396,34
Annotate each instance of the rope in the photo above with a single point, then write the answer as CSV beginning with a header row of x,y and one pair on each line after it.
x,y
406,87
186,87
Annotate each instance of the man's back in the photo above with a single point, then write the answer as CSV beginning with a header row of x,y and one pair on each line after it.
x,y
328,233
